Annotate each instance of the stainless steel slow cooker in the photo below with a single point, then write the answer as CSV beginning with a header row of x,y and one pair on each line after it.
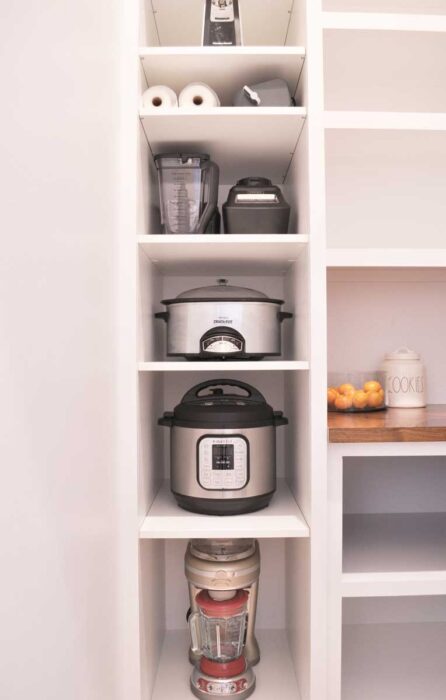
x,y
223,321
223,448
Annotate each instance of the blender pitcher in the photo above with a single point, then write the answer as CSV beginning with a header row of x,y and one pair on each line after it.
x,y
218,634
188,185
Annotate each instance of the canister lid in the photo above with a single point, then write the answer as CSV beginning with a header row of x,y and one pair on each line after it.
x,y
222,291
222,608
221,404
403,353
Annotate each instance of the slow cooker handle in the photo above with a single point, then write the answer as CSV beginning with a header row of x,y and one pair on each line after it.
x,y
198,388
282,315
164,315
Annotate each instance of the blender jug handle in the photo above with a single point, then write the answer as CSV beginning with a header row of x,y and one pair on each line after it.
x,y
194,628
211,205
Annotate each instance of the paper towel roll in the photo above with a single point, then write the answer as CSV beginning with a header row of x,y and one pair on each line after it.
x,y
198,95
159,97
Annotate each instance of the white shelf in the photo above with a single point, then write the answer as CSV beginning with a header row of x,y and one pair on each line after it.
x,y
394,554
224,366
282,518
225,69
402,661
218,254
242,140
406,121
384,21
275,675
381,257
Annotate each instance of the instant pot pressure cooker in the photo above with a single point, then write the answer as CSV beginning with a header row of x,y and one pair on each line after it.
x,y
223,321
223,448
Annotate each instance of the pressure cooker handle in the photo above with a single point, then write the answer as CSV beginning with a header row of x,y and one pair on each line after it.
x,y
166,419
164,315
282,315
198,388
279,418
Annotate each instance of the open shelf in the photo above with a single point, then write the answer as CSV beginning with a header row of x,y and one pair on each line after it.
x,y
225,69
282,518
386,257
384,21
224,366
394,554
394,660
275,674
394,425
265,138
406,121
216,254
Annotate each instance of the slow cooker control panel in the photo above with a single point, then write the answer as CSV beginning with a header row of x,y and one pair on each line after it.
x,y
223,462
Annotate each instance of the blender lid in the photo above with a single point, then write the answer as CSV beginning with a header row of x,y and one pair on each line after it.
x,y
222,608
179,156
223,550
222,291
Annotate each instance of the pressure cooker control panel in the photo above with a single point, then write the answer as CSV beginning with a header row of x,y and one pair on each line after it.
x,y
223,462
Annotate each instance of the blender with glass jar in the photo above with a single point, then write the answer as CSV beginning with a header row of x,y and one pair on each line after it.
x,y
223,580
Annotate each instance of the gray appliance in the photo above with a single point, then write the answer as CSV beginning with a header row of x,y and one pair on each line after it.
x,y
255,205
271,93
223,321
221,25
223,448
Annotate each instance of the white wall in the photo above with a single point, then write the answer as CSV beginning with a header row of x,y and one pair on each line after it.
x,y
58,175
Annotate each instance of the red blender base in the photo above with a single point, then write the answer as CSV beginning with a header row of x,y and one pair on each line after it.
x,y
233,679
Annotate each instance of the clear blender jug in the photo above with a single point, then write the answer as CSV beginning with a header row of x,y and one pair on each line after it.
x,y
188,185
218,635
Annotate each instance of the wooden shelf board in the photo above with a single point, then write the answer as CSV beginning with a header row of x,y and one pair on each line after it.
x,y
216,254
379,21
390,258
275,674
225,69
224,366
394,425
282,518
404,661
405,121
394,554
244,130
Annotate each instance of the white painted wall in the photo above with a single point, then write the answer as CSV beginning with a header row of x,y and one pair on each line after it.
x,y
59,140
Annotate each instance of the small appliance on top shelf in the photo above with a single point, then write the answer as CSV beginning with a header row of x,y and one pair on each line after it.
x,y
221,23
223,579
223,448
223,322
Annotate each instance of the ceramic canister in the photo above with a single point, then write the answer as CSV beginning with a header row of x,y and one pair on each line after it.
x,y
405,380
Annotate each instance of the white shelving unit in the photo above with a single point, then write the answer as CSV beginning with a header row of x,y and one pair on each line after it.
x,y
282,39
384,21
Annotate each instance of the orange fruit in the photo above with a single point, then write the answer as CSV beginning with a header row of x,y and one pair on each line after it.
x,y
372,386
360,399
375,399
343,402
331,395
346,389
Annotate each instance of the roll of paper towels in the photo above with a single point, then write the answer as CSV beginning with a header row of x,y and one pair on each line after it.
x,y
198,95
159,97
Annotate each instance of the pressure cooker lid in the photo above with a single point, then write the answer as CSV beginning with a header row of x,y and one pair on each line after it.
x,y
222,291
220,404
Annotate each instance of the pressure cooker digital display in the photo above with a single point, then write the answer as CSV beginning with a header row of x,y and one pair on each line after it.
x,y
223,462
223,457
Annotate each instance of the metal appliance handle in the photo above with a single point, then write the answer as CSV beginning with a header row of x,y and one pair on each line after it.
x,y
195,634
164,315
282,315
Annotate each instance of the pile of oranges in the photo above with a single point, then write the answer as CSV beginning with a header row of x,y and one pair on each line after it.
x,y
347,397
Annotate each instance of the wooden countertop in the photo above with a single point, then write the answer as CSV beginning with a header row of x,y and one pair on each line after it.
x,y
394,425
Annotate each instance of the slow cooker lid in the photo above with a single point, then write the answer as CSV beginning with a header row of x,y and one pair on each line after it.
x,y
222,291
223,404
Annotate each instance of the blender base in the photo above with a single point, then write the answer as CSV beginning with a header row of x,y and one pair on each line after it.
x,y
239,687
